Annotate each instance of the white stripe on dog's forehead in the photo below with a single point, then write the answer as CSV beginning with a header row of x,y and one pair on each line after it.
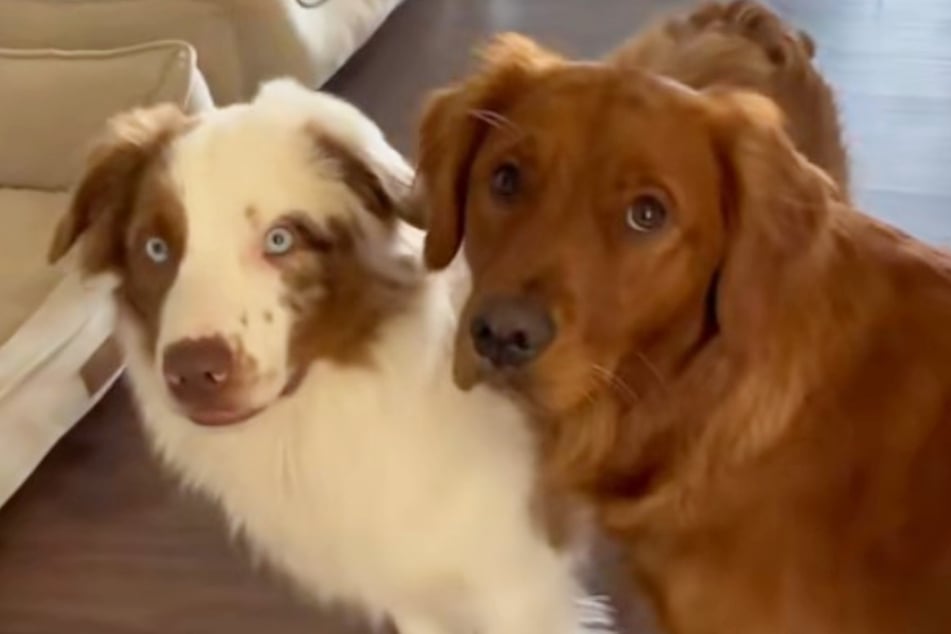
x,y
242,157
237,173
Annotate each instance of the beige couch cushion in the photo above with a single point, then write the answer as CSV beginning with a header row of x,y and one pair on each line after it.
x,y
109,24
56,101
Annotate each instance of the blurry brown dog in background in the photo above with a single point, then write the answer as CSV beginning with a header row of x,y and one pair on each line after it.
x,y
744,45
749,380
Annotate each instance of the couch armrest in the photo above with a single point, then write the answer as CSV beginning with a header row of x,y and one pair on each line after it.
x,y
308,40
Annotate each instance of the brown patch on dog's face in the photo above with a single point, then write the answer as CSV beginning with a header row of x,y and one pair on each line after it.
x,y
346,283
157,215
358,176
385,193
337,298
129,213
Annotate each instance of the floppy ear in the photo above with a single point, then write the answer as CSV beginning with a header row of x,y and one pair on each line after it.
x,y
453,125
106,192
776,205
381,178
807,43
375,171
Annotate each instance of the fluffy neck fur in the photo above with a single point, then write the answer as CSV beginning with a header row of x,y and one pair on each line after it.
x,y
304,480
699,405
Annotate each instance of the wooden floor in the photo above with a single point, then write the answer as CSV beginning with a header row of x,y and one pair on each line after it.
x,y
100,542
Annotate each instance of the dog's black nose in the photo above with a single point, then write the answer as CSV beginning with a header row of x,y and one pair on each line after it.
x,y
510,332
199,371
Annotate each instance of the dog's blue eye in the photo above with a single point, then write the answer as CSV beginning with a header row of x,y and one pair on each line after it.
x,y
157,250
278,241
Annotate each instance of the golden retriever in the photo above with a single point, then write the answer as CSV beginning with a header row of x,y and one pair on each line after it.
x,y
749,379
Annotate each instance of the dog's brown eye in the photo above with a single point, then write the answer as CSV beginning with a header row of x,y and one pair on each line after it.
x,y
505,180
647,213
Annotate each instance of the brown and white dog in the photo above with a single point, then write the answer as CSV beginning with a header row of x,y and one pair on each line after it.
x,y
749,379
291,362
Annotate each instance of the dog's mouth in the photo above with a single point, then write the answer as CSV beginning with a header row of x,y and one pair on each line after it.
x,y
227,415
296,378
223,417
528,386
471,370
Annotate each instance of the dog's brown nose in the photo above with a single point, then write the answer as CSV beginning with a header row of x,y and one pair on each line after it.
x,y
509,332
197,371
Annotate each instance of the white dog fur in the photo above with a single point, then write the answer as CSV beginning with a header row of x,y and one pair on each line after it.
x,y
380,485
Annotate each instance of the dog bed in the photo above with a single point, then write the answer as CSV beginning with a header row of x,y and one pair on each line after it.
x,y
56,354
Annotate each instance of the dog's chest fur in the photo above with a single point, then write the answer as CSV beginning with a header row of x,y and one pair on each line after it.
x,y
369,483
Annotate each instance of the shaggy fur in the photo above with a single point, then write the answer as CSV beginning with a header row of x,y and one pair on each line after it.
x,y
745,45
324,421
753,388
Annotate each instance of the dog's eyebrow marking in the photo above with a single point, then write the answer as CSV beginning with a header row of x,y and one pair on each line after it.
x,y
251,214
292,305
317,236
676,85
496,120
268,316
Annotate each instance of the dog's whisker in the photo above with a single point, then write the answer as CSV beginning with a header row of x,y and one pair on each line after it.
x,y
615,382
590,397
652,368
494,119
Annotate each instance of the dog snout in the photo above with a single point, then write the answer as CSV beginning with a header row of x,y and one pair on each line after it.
x,y
509,332
199,371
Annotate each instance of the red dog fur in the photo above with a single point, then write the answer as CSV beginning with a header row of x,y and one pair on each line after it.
x,y
754,391
744,45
